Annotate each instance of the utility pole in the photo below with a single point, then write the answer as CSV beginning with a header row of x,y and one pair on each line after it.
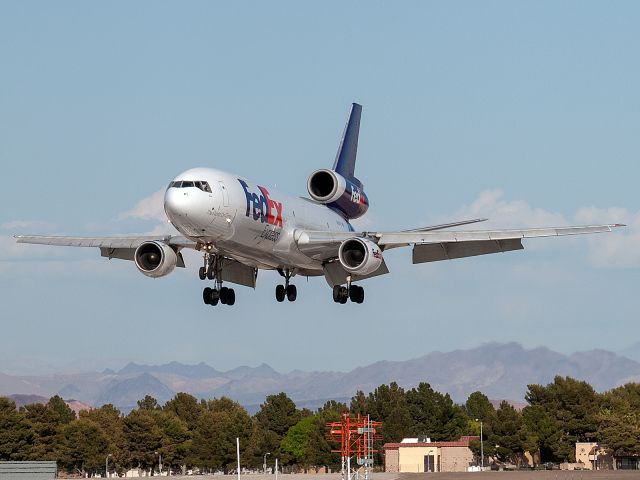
x,y
106,466
238,454
481,448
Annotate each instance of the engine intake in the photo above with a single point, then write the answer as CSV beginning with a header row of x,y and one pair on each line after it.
x,y
332,189
360,256
155,259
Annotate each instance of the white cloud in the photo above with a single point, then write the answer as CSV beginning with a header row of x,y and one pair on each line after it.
x,y
149,208
26,225
491,204
621,249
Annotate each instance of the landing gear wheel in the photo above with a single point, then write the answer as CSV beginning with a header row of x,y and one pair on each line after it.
x,y
211,273
356,294
202,273
210,296
292,293
231,296
206,296
224,295
344,295
336,293
280,292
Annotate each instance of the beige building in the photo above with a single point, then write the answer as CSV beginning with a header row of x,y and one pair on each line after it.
x,y
412,455
586,454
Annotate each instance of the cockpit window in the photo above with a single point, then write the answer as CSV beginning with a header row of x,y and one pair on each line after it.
x,y
204,186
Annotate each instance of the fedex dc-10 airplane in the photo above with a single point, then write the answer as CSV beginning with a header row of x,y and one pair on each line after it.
x,y
242,227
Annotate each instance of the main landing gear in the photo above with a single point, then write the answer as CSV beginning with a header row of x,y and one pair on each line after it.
x,y
212,270
351,292
286,290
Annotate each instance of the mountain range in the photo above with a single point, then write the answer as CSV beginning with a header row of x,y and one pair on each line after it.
x,y
499,370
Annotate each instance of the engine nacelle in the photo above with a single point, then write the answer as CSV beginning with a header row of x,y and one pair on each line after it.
x,y
360,256
155,259
332,189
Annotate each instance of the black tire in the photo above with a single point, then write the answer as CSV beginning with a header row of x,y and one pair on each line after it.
x,y
344,295
360,296
211,273
231,296
336,293
353,293
356,295
224,295
280,293
206,296
202,273
214,298
292,293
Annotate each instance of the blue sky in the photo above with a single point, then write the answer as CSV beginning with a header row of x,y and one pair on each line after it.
x,y
525,112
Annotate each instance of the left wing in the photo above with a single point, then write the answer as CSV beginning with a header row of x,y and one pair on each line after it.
x,y
435,245
111,247
106,242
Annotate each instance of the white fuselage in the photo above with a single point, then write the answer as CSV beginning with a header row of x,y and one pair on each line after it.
x,y
253,223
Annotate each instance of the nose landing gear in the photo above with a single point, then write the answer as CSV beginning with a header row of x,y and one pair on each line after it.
x,y
212,269
287,290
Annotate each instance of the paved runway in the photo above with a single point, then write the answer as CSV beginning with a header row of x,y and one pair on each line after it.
x,y
522,475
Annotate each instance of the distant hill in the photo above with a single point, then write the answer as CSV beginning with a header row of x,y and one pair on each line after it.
x,y
499,370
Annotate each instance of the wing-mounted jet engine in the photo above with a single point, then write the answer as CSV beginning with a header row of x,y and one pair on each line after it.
x,y
360,256
155,259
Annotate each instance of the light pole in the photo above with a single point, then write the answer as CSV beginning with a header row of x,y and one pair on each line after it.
x,y
481,446
264,462
159,461
106,466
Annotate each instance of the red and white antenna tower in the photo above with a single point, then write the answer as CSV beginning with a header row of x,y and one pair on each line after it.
x,y
356,437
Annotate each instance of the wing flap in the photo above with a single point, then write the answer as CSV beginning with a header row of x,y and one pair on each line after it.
x,y
393,238
435,252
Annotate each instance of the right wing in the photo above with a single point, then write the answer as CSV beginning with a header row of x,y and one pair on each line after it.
x,y
435,245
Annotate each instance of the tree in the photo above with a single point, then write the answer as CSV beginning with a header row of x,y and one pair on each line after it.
x,y
143,438
479,407
47,430
60,407
274,419
186,408
148,403
572,408
111,422
214,440
619,420
388,404
434,414
16,434
506,439
297,442
85,446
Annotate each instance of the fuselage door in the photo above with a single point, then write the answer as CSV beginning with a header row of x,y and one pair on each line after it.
x,y
225,193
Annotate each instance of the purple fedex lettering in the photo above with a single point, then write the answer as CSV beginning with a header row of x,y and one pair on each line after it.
x,y
261,207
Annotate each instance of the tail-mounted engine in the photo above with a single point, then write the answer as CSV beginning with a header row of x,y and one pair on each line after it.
x,y
332,189
360,256
155,259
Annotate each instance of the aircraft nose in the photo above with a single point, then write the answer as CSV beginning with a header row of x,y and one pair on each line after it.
x,y
176,202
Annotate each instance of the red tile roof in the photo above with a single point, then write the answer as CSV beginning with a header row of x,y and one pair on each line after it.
x,y
463,442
